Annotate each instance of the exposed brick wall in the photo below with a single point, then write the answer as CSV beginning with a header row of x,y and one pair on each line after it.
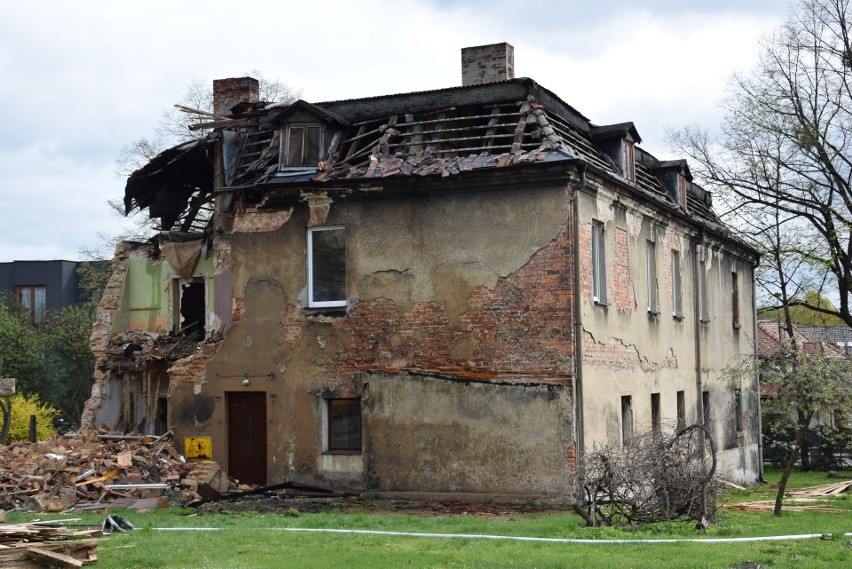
x,y
521,331
623,293
259,221
192,369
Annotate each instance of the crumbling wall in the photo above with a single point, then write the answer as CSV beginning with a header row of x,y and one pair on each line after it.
x,y
460,297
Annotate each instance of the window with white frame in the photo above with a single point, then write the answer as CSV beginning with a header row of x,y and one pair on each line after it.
x,y
651,275
598,263
326,267
701,279
677,302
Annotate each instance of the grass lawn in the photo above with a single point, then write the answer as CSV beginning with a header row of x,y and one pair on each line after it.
x,y
251,540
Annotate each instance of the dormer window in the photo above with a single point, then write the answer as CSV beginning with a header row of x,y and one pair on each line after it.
x,y
302,145
628,160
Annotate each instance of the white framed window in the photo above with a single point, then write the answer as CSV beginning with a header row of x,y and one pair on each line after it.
x,y
651,275
677,299
701,279
598,263
326,267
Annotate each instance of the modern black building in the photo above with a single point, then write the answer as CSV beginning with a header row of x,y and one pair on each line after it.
x,y
40,285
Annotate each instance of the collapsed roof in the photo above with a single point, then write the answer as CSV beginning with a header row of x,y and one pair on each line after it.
x,y
443,133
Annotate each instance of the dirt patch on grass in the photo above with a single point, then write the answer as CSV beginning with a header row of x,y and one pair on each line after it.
x,y
294,505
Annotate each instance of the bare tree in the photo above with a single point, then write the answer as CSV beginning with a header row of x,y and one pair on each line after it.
x,y
783,161
174,124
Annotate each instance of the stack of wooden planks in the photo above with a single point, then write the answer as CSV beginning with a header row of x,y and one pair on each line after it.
x,y
46,544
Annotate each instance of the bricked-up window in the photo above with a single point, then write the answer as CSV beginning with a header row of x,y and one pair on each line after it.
x,y
33,299
735,299
302,145
681,410
677,299
344,425
598,263
651,275
626,419
656,419
628,162
326,267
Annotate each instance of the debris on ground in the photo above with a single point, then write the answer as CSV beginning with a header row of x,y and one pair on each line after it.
x,y
95,469
47,544
799,499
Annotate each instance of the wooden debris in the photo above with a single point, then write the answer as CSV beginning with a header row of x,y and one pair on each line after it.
x,y
834,489
92,468
769,505
72,553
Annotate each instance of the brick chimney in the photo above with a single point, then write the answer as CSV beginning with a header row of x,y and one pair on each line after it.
x,y
487,63
227,93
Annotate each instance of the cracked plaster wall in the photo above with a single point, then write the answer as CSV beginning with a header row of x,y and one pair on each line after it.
x,y
627,351
474,286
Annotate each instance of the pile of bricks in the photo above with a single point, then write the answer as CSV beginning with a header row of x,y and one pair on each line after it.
x,y
93,470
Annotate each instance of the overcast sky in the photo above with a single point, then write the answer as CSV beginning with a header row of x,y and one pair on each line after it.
x,y
79,80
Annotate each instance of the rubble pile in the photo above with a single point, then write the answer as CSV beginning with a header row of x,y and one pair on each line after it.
x,y
46,544
96,469
151,346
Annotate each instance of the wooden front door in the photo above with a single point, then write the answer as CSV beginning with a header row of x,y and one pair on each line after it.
x,y
247,436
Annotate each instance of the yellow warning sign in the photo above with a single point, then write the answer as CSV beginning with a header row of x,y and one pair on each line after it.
x,y
198,448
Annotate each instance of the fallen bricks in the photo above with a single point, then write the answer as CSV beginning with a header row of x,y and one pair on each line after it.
x,y
96,469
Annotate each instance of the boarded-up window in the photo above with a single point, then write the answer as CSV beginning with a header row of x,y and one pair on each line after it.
x,y
681,410
326,267
738,409
344,424
628,164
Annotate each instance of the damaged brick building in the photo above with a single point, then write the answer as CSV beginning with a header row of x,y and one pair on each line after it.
x,y
434,293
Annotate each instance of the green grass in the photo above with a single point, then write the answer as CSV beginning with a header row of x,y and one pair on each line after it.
x,y
246,540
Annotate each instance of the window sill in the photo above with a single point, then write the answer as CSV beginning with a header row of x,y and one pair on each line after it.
x,y
678,317
342,452
330,312
736,326
601,303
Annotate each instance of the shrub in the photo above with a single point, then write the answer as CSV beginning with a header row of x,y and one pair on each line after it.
x,y
22,407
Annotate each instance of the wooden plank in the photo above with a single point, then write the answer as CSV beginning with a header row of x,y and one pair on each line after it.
x,y
54,558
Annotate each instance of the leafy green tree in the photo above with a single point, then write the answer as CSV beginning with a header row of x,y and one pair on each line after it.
x,y
52,359
804,382
801,313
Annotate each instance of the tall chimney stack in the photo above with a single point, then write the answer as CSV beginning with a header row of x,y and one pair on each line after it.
x,y
227,93
487,63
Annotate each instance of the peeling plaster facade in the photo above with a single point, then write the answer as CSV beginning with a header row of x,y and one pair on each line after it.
x,y
467,354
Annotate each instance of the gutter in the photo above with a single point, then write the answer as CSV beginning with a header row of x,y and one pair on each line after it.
x,y
578,328
697,278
